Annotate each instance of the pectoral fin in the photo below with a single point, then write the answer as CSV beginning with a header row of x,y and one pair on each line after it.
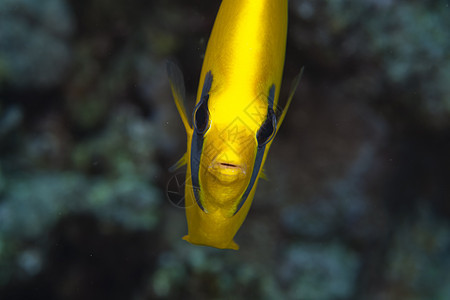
x,y
263,175
181,162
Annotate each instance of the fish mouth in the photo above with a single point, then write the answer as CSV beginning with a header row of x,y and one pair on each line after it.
x,y
228,165
227,172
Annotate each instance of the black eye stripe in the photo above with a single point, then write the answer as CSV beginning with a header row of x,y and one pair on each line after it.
x,y
201,115
197,137
267,129
260,150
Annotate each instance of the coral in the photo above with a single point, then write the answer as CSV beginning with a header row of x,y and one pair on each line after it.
x,y
403,41
418,264
319,271
33,200
191,273
34,42
356,205
409,31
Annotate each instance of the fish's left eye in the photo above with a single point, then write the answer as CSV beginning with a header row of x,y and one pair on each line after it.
x,y
267,130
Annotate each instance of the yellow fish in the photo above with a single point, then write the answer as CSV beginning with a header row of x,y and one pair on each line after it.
x,y
235,117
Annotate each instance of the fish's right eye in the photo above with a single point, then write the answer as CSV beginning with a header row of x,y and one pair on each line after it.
x,y
201,116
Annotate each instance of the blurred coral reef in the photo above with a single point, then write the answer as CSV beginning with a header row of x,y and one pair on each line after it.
x,y
357,201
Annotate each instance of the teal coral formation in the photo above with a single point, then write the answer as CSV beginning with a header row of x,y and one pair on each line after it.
x,y
356,205
320,271
35,42
418,261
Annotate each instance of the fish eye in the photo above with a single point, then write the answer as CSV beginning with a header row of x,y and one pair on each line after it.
x,y
201,116
267,130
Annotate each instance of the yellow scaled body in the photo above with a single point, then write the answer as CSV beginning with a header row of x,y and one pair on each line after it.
x,y
234,121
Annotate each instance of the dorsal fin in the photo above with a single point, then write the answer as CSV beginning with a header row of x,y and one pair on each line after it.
x,y
178,91
294,85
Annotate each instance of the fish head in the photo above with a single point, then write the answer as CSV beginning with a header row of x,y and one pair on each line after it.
x,y
230,139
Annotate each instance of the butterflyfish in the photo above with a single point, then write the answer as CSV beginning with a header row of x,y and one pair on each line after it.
x,y
235,118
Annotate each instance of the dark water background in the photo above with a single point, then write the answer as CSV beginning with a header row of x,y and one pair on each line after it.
x,y
357,204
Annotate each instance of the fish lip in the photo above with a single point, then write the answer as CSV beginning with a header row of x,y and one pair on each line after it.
x,y
229,165
224,165
227,171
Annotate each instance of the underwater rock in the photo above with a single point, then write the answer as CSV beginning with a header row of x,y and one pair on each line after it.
x,y
338,172
2,181
10,119
128,201
319,271
206,273
32,202
126,146
417,264
48,144
399,44
111,176
414,51
84,259
34,42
